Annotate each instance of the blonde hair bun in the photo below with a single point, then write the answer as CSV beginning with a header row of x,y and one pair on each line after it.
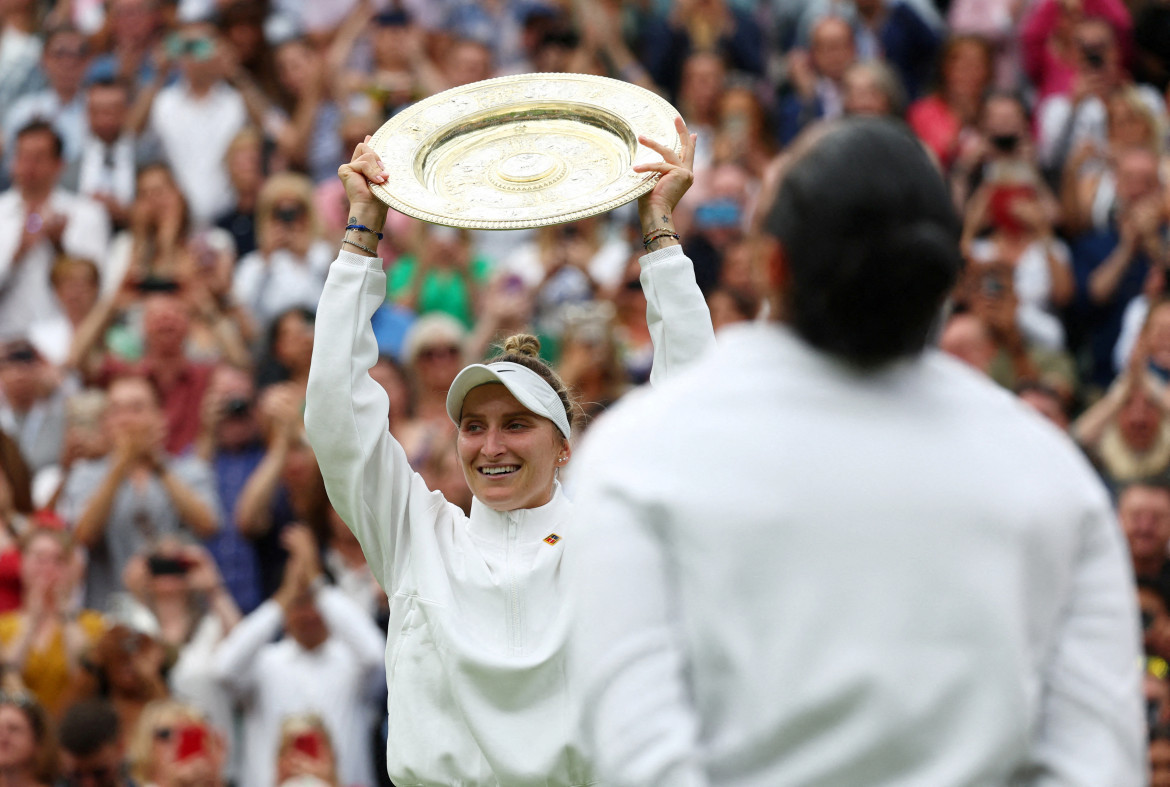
x,y
522,344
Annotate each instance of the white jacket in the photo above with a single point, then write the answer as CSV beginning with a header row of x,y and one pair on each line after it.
x,y
478,693
825,578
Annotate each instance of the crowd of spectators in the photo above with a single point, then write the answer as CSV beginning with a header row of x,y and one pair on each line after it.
x,y
179,604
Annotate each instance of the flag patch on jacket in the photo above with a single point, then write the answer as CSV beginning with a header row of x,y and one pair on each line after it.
x,y
551,538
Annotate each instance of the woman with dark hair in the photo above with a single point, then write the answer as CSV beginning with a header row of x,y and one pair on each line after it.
x,y
28,747
475,658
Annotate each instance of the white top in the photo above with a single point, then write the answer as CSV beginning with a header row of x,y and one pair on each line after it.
x,y
815,576
478,693
1032,282
25,292
1089,123
279,679
195,133
108,168
270,285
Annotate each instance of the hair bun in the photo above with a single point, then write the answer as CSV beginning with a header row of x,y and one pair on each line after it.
x,y
522,344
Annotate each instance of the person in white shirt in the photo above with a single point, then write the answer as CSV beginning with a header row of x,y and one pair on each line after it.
x,y
828,556
326,664
38,221
196,119
289,267
108,160
478,693
1065,122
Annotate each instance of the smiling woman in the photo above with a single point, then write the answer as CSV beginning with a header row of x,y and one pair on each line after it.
x,y
513,436
478,690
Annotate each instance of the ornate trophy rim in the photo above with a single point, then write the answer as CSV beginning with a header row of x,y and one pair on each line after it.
x,y
522,151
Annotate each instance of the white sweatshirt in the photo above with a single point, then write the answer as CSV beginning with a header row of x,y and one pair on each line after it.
x,y
819,577
478,693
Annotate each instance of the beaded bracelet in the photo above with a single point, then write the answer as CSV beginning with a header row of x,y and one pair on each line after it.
x,y
363,228
366,249
650,239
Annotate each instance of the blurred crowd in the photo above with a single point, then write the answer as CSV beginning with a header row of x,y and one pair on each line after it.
x,y
179,604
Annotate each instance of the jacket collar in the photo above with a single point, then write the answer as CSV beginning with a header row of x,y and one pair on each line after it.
x,y
532,524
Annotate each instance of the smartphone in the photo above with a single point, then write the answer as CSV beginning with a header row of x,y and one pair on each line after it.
x,y
160,566
155,284
192,741
308,744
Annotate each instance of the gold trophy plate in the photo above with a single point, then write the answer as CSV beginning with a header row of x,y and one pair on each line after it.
x,y
522,151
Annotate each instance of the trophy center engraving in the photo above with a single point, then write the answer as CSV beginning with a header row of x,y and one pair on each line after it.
x,y
527,167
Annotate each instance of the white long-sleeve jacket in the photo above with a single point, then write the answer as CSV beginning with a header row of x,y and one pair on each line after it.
x,y
825,578
478,692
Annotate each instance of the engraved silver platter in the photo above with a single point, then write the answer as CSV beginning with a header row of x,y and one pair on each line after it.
x,y
522,151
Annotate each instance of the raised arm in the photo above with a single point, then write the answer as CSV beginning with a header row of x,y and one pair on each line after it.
x,y
366,472
676,312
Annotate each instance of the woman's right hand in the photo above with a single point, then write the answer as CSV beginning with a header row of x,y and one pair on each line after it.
x,y
363,169
676,172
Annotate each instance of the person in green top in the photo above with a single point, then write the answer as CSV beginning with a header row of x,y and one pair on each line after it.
x,y
440,275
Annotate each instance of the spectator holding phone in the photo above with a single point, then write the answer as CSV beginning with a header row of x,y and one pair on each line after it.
x,y
1020,212
305,757
1065,121
180,587
174,745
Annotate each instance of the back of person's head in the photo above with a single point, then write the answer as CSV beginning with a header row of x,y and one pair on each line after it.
x,y
87,726
869,241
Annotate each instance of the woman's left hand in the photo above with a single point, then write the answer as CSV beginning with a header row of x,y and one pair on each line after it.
x,y
676,170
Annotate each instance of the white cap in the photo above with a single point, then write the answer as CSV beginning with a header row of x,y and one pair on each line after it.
x,y
529,388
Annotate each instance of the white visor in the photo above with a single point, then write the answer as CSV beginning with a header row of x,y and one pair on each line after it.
x,y
529,388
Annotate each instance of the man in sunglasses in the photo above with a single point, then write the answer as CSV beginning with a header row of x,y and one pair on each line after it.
x,y
196,118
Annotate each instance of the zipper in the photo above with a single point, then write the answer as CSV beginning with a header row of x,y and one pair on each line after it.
x,y
513,584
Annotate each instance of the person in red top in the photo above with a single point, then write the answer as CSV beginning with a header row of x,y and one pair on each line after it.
x,y
180,382
941,118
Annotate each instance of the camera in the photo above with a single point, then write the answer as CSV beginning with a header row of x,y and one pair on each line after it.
x,y
1094,57
160,566
236,407
288,214
1005,143
157,284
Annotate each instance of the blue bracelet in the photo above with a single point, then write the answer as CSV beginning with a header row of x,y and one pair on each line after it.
x,y
363,228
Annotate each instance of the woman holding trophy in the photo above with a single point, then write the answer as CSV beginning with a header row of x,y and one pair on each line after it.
x,y
478,689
